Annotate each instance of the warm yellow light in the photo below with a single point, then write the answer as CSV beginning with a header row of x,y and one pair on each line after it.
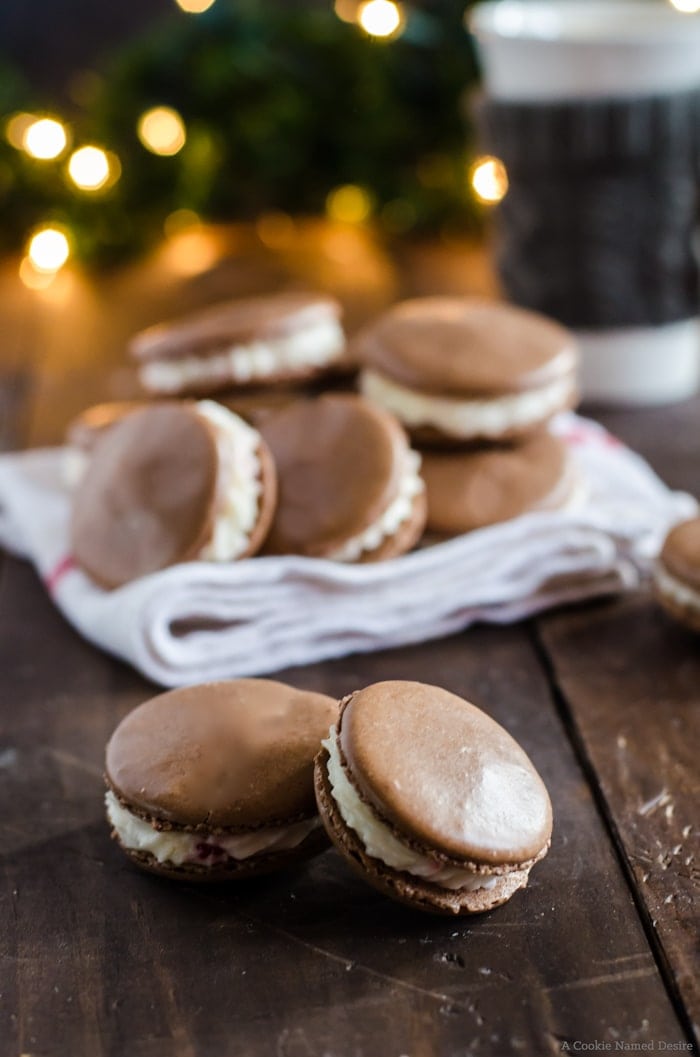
x,y
489,179
44,139
346,10
191,252
380,18
194,7
349,204
33,279
16,129
181,220
48,249
162,130
276,230
89,168
688,7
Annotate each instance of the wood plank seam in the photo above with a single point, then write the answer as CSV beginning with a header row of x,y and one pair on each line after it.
x,y
578,746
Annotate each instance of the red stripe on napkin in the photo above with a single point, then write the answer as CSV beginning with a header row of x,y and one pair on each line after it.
x,y
53,579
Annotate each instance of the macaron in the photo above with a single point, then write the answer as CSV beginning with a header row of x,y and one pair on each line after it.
x,y
349,484
462,370
251,342
83,432
430,799
473,488
172,483
215,782
676,575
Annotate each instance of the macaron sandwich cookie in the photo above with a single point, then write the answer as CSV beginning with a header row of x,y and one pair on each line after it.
x,y
215,782
256,341
349,484
471,488
676,576
456,370
84,431
430,799
171,483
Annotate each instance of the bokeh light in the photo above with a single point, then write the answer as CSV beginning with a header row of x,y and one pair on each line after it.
x,y
349,204
16,129
194,7
44,139
48,249
380,18
192,251
89,168
162,131
181,220
489,179
688,7
346,10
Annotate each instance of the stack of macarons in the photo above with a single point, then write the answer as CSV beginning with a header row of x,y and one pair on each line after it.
x,y
423,794
175,481
335,476
476,385
234,346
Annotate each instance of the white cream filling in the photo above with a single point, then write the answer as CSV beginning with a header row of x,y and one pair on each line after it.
x,y
678,592
238,484
176,847
315,346
467,418
398,511
380,842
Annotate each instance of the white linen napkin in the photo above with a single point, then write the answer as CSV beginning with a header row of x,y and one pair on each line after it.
x,y
201,621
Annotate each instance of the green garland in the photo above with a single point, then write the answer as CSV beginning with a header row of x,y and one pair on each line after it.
x,y
280,106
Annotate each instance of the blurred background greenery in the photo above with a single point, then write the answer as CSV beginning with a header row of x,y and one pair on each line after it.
x,y
124,122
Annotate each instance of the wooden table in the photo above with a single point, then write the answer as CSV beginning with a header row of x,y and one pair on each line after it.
x,y
598,954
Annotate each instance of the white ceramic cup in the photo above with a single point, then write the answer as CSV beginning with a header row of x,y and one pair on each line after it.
x,y
549,51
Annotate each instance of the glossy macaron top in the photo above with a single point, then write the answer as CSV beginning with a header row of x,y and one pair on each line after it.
x,y
681,552
339,463
84,430
459,346
148,495
471,489
236,754
445,774
238,322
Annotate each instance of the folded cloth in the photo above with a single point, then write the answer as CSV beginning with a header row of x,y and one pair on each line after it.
x,y
201,621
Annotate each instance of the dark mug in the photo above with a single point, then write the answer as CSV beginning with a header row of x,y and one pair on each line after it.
x,y
594,109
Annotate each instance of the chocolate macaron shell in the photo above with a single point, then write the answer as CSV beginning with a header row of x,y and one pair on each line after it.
x,y
415,892
234,755
238,322
339,462
461,347
468,490
680,554
147,498
445,775
84,430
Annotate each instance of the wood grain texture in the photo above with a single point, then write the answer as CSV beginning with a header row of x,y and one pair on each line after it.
x,y
312,962
630,683
97,959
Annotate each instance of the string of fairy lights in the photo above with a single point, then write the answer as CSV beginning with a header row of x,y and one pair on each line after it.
x,y
92,168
